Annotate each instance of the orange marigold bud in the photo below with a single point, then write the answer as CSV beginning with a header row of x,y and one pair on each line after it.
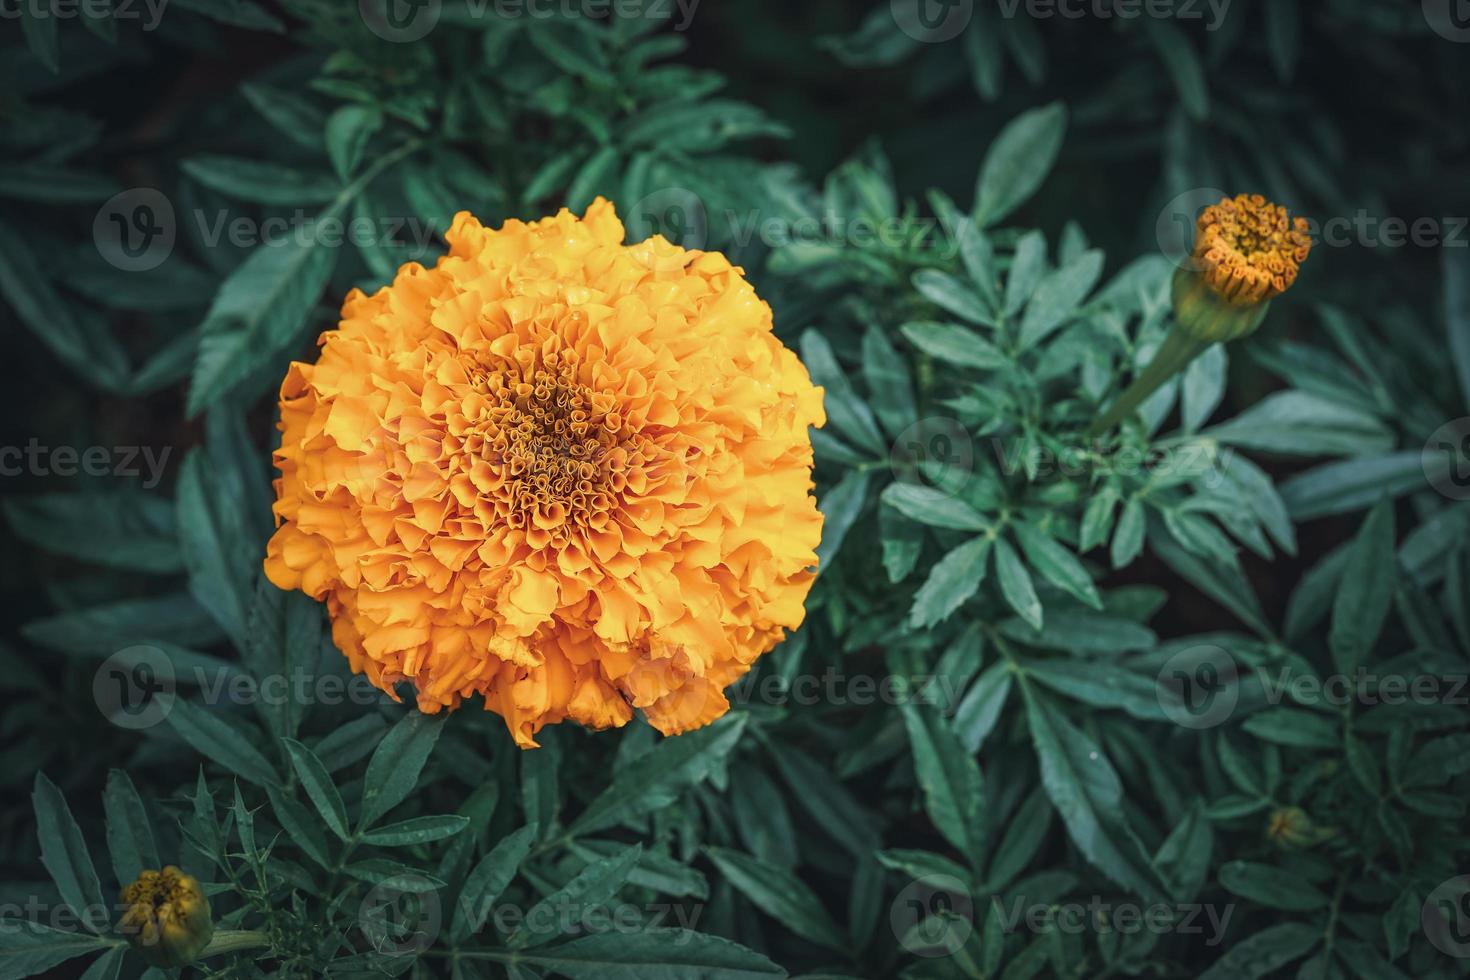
x,y
564,473
1247,249
1246,253
167,918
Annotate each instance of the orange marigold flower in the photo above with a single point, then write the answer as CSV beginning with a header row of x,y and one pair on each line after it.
x,y
571,475
1248,250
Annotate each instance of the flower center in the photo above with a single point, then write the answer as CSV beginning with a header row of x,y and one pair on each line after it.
x,y
553,446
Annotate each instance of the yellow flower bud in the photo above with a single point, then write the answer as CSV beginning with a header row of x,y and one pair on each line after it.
x,y
1290,826
167,917
1246,253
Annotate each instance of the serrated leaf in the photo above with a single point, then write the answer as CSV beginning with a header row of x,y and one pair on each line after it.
x,y
394,769
319,786
954,579
780,894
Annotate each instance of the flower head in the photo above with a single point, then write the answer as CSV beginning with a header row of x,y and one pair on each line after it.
x,y
1248,251
167,917
569,475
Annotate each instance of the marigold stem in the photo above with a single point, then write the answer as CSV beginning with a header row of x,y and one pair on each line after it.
x,y
1173,355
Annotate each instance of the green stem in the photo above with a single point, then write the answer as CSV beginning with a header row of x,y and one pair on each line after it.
x,y
1177,350
235,940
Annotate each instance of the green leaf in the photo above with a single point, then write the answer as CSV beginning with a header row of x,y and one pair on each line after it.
x,y
1085,790
64,853
318,785
653,954
261,182
953,580
1183,64
571,49
841,506
1102,685
1283,36
488,879
597,176
105,967
949,777
1018,162
82,343
954,344
589,888
1023,839
416,830
1294,726
129,833
1056,564
258,312
293,116
1298,423
658,777
850,415
39,26
1128,537
890,388
348,131
1457,313
129,531
1268,950
394,769
211,736
49,184
1438,761
979,710
1058,297
781,895
933,507
1015,584
28,948
829,804
302,828
1271,887
214,537
1183,860
1365,592
954,296
1347,485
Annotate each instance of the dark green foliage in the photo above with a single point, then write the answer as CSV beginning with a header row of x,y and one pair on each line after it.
x,y
1209,668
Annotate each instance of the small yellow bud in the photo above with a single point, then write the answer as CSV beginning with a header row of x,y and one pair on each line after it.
x,y
1291,827
167,917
